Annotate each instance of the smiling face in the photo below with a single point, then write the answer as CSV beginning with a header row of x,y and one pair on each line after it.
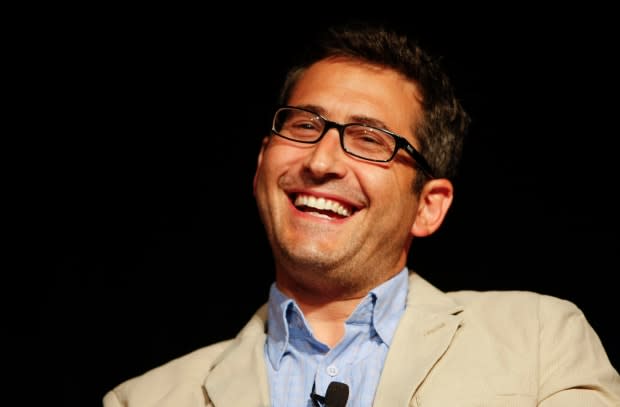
x,y
336,223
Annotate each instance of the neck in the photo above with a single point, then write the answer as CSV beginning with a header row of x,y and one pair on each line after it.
x,y
327,319
328,299
325,315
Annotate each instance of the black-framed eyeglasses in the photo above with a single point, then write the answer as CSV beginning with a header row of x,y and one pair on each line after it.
x,y
357,139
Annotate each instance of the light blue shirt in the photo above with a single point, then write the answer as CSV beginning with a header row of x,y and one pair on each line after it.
x,y
296,360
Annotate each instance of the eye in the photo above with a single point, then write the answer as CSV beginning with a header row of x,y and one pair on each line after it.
x,y
363,135
302,126
306,125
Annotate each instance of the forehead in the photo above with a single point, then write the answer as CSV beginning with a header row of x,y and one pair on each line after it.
x,y
345,88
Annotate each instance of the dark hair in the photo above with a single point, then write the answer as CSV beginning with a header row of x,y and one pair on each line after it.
x,y
444,123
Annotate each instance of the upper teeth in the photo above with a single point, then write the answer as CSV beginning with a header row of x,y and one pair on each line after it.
x,y
322,204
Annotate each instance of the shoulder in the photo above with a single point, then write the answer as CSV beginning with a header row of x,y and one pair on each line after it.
x,y
542,317
515,302
547,327
187,371
189,367
179,382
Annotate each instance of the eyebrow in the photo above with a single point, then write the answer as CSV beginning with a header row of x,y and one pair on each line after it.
x,y
370,121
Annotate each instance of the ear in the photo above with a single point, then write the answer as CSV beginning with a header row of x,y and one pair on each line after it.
x,y
435,200
259,161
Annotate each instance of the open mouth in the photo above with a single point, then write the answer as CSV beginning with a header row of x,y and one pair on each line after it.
x,y
322,206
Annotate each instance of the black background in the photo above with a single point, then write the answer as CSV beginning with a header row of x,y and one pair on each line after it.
x,y
137,238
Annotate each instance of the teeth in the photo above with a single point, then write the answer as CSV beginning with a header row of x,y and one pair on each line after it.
x,y
322,204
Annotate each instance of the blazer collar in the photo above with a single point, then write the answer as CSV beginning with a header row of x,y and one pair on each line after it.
x,y
423,335
239,376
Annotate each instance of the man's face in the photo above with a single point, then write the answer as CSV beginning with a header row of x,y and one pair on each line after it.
x,y
330,217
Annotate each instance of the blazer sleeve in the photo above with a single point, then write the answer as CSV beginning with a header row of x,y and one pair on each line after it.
x,y
574,369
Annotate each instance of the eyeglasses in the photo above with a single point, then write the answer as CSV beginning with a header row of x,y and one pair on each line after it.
x,y
357,139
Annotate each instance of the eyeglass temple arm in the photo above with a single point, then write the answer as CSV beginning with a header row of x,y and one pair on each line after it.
x,y
420,160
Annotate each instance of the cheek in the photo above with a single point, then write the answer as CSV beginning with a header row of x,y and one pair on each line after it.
x,y
275,161
394,193
279,154
405,181
387,183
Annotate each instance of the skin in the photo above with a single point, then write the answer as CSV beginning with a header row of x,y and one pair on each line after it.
x,y
327,262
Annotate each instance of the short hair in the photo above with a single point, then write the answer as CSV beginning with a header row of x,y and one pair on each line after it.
x,y
444,124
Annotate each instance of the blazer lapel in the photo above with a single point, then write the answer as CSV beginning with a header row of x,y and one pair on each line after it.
x,y
422,337
239,378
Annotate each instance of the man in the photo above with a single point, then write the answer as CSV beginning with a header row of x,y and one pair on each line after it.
x,y
357,165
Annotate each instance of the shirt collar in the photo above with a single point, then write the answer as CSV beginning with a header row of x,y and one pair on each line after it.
x,y
277,324
391,299
381,308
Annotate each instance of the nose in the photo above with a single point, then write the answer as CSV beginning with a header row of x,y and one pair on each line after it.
x,y
327,156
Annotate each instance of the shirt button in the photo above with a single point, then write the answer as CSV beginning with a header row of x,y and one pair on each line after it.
x,y
332,370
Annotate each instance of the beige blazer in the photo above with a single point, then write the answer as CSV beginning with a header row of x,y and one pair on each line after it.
x,y
458,349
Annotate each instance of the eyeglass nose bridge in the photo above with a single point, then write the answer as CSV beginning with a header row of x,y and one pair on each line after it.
x,y
332,125
340,128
